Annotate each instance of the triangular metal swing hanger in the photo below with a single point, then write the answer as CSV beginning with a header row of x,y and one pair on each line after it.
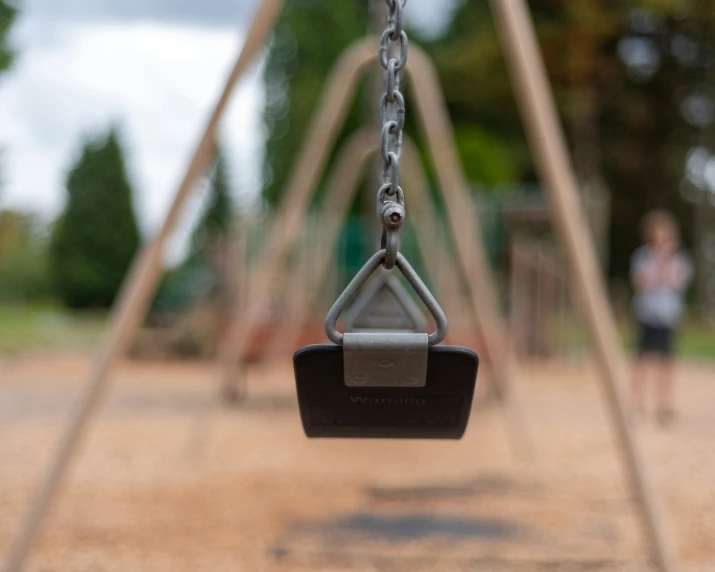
x,y
363,276
385,305
377,305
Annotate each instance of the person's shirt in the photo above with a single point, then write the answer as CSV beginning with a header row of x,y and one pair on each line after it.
x,y
660,284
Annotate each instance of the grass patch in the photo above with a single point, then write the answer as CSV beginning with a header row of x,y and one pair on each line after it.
x,y
52,327
48,326
695,340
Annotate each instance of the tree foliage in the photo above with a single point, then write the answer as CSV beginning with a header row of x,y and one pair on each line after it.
x,y
7,17
622,77
649,121
96,236
23,258
633,84
307,41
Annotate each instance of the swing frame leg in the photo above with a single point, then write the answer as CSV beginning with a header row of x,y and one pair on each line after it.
x,y
548,144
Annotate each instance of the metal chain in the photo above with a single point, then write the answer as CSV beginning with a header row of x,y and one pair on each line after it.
x,y
390,198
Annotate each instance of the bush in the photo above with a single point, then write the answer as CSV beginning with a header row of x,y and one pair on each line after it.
x,y
24,272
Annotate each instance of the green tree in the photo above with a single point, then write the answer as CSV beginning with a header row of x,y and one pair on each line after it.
x,y
307,41
23,264
478,87
647,129
7,17
622,75
96,236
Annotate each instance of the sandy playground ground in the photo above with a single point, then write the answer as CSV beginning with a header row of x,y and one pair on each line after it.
x,y
170,480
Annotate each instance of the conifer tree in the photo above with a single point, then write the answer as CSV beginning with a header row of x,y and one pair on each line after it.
x,y
96,236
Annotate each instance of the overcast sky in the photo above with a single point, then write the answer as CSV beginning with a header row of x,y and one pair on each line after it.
x,y
152,66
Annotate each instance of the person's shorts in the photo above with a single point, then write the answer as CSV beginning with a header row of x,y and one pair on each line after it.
x,y
655,340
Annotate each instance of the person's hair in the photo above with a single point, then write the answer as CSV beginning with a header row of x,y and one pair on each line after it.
x,y
656,219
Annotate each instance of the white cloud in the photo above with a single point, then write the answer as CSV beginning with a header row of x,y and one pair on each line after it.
x,y
155,79
430,16
206,12
158,82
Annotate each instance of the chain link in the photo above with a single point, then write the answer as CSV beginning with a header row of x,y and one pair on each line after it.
x,y
390,198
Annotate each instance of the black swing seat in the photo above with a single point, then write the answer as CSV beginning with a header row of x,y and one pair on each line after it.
x,y
439,410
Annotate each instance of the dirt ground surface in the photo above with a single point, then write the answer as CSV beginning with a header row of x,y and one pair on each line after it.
x,y
168,479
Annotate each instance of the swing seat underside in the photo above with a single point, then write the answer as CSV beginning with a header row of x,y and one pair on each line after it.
x,y
439,410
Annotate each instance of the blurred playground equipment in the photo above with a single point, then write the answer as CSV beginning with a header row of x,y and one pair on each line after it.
x,y
518,237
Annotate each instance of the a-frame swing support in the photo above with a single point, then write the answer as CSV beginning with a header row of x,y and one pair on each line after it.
x,y
541,121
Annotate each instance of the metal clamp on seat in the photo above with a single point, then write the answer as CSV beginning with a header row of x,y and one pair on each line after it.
x,y
378,359
385,359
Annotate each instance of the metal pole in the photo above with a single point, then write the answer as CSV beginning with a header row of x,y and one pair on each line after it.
x,y
136,292
549,147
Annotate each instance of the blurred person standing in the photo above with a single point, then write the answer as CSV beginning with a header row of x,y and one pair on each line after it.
x,y
660,273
